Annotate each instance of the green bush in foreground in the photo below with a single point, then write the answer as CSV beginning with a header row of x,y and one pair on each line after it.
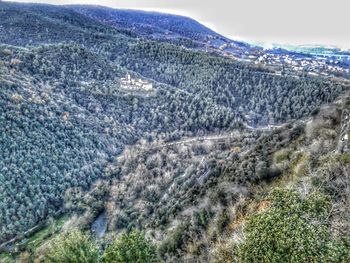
x,y
292,230
130,248
73,247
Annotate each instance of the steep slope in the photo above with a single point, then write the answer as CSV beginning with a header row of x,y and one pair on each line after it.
x,y
196,197
50,141
27,24
162,27
149,24
64,105
179,30
229,84
232,197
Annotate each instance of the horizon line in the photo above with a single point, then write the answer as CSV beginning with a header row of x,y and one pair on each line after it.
x,y
263,44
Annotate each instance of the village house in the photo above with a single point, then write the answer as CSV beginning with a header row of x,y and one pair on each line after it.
x,y
130,83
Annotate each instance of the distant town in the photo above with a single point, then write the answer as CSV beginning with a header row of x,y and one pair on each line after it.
x,y
321,65
284,61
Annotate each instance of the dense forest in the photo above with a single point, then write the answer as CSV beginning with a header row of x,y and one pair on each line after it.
x,y
68,127
61,100
73,129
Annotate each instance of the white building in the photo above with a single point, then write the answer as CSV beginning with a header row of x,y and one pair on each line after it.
x,y
135,84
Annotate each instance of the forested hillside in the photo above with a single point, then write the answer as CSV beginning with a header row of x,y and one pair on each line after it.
x,y
186,32
221,199
61,111
237,198
149,24
179,30
65,118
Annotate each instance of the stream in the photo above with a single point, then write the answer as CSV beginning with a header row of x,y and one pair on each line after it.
x,y
99,226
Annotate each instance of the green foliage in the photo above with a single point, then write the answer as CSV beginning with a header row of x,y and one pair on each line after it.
x,y
282,155
226,253
344,158
130,248
73,247
202,219
63,115
292,230
230,84
175,241
222,221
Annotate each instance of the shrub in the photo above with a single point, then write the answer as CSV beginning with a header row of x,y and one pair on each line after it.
x,y
73,247
292,230
344,158
222,221
281,156
130,248
225,253
175,241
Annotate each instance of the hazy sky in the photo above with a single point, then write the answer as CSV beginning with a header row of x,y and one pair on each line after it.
x,y
270,21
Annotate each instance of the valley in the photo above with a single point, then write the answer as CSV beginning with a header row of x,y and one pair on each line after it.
x,y
116,127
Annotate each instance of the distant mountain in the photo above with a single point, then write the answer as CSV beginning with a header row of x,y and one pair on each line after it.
x,y
186,32
158,26
149,24
318,50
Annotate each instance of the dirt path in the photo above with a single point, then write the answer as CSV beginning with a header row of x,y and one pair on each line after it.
x,y
343,143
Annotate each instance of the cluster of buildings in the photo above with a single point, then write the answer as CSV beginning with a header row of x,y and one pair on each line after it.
x,y
290,62
130,83
321,65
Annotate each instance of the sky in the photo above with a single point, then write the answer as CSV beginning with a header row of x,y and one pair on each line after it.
x,y
296,22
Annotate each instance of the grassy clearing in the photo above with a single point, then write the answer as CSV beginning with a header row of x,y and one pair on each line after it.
x,y
6,258
295,169
36,240
46,233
